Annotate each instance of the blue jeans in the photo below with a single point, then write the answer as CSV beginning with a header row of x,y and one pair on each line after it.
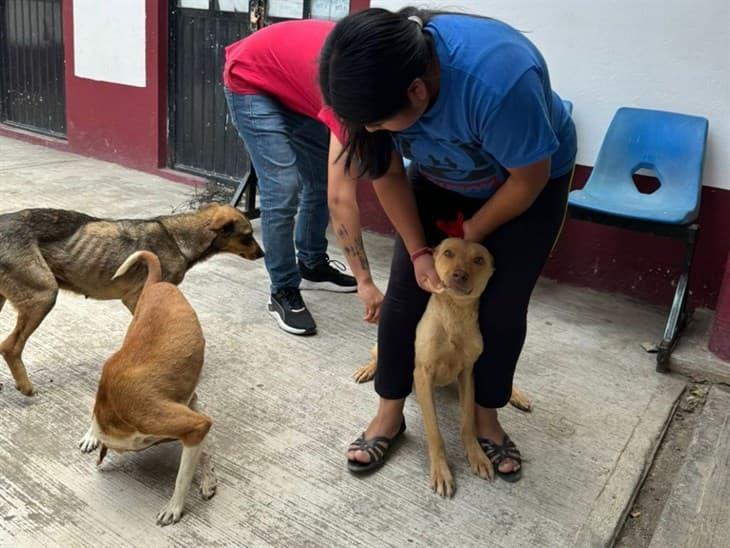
x,y
289,153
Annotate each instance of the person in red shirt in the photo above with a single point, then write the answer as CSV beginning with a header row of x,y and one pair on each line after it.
x,y
276,106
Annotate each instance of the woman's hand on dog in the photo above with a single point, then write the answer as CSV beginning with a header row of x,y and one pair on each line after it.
x,y
426,276
371,298
472,232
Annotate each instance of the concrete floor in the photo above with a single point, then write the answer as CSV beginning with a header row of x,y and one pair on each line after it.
x,y
696,514
284,410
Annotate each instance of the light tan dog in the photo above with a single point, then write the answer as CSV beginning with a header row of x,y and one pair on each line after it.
x,y
147,394
44,250
448,343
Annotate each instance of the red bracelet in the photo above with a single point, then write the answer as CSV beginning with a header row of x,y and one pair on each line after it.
x,y
419,252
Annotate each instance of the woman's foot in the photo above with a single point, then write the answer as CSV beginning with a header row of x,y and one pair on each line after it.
x,y
488,427
497,453
387,424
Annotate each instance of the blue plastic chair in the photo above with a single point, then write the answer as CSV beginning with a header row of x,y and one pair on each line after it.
x,y
673,146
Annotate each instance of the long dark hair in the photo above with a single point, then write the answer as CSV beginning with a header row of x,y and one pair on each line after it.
x,y
366,66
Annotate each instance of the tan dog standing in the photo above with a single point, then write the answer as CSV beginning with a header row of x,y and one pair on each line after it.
x,y
147,394
44,250
448,343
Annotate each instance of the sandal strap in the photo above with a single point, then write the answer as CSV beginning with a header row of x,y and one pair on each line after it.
x,y
376,447
497,453
358,443
510,449
375,453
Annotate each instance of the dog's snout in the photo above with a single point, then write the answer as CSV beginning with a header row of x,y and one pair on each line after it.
x,y
460,275
253,252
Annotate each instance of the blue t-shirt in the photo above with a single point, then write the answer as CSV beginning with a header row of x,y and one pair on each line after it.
x,y
495,109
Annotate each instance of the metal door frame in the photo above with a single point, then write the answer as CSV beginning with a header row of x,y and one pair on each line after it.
x,y
3,63
4,85
255,23
258,18
172,85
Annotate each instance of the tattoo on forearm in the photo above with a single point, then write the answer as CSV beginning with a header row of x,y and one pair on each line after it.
x,y
354,250
361,253
342,232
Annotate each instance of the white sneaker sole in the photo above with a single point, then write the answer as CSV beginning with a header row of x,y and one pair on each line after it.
x,y
326,286
284,327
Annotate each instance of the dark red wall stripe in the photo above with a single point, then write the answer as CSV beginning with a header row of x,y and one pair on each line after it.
x,y
357,5
720,339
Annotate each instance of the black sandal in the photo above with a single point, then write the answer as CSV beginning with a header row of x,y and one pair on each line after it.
x,y
497,453
378,449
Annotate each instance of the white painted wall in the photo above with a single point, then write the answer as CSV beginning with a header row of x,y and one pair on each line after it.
x,y
664,54
110,41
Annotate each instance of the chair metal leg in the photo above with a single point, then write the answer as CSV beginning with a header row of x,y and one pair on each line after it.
x,y
678,315
238,193
251,210
247,188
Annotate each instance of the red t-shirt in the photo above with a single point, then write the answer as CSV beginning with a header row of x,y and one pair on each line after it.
x,y
281,61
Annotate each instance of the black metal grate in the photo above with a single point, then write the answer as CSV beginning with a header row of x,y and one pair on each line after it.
x,y
203,139
32,91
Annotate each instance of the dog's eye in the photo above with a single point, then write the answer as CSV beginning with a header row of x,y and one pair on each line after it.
x,y
448,253
479,261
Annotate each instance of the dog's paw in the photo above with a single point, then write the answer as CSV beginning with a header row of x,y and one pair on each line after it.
x,y
208,485
520,400
442,482
365,373
479,463
171,513
26,389
88,443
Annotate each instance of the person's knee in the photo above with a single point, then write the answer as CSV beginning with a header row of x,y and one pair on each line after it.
x,y
281,202
503,324
315,199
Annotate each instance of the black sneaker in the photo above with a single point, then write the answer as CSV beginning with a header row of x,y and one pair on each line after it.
x,y
287,306
328,276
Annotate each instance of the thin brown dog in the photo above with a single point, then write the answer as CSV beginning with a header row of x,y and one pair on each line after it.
x,y
147,394
448,343
44,250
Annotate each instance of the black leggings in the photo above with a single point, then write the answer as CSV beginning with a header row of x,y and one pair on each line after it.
x,y
520,248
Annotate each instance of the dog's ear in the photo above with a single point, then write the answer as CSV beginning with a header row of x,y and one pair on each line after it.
x,y
490,260
222,222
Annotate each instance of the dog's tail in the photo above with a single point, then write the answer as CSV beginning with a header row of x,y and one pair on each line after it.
x,y
154,270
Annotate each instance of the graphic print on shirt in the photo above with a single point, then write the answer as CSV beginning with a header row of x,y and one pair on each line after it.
x,y
457,166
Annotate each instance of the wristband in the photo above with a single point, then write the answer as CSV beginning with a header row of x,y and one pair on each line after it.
x,y
419,252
